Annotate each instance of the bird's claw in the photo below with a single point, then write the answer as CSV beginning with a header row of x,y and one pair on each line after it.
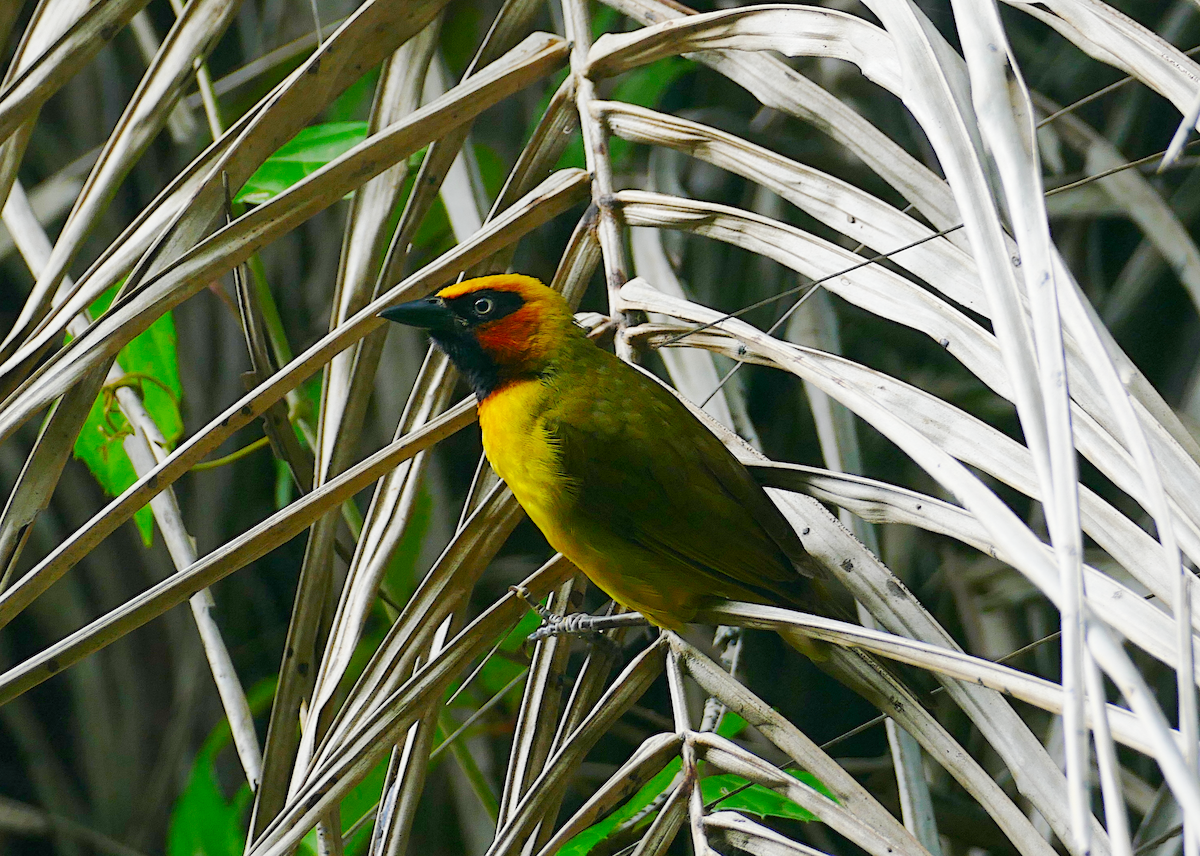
x,y
523,593
588,628
577,624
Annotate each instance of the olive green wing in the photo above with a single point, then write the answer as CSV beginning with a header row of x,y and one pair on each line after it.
x,y
643,465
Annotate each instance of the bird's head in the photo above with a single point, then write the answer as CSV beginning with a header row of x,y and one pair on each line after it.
x,y
494,328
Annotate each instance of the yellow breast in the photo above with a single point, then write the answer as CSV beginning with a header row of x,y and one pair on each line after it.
x,y
522,452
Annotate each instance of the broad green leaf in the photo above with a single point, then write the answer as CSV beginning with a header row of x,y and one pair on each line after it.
x,y
583,843
731,725
303,155
645,87
757,799
203,822
151,365
355,102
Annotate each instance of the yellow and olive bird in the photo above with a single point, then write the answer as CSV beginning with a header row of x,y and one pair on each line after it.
x,y
618,474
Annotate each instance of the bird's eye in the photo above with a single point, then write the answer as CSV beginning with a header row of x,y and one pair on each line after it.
x,y
483,306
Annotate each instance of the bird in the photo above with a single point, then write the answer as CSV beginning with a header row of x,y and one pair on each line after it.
x,y
617,473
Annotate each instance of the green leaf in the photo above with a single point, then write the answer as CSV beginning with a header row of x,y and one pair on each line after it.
x,y
731,725
645,87
355,102
151,364
203,822
491,169
303,155
583,843
757,799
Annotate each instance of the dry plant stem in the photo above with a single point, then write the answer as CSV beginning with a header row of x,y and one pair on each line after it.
x,y
429,395
43,467
394,809
1181,598
870,679
388,516
441,594
727,641
406,773
329,834
666,825
996,516
146,448
277,425
397,95
1141,391
1115,814
412,767
345,392
511,23
742,833
873,584
963,338
547,788
374,735
42,73
687,752
818,326
188,272
728,756
691,783
51,55
1109,599
218,564
184,212
983,233
777,86
540,707
297,672
643,764
386,521
878,502
874,225
196,31
595,147
545,202
856,799
1005,118
442,591
941,661
585,694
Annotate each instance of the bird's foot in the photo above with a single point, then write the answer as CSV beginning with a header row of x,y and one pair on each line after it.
x,y
578,624
583,625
